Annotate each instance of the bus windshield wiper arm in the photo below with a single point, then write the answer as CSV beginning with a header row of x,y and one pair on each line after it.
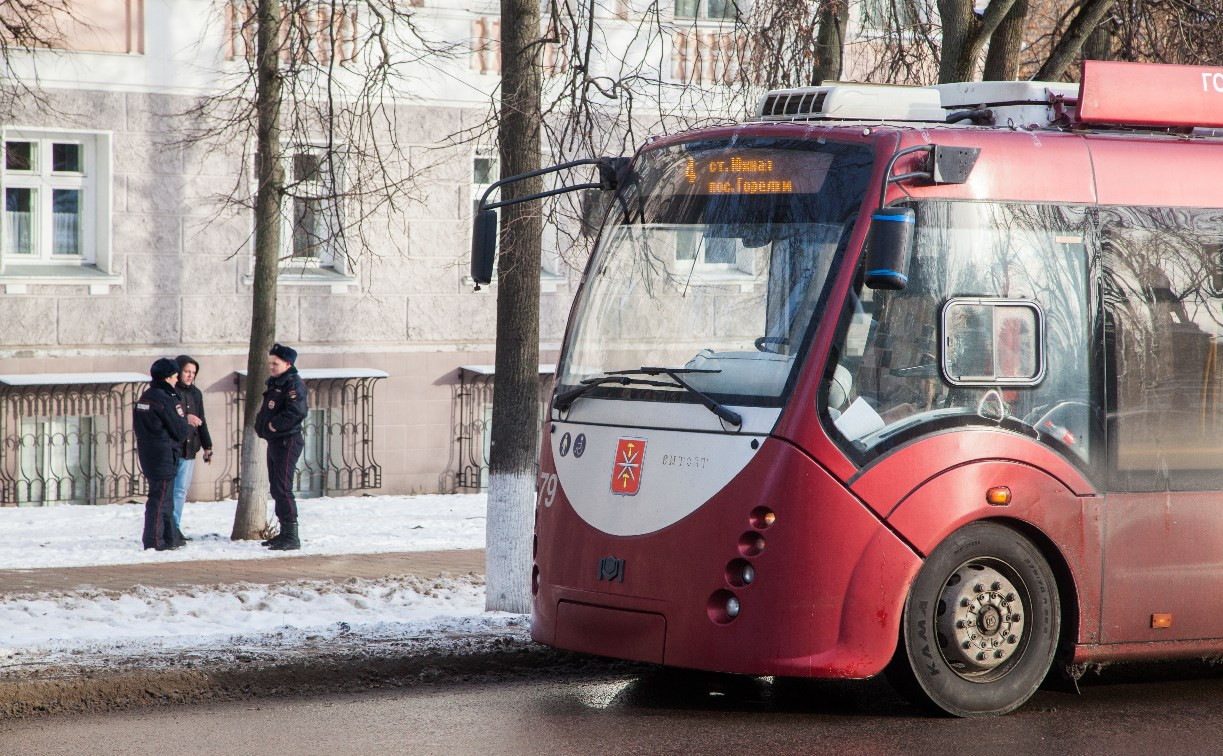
x,y
565,399
625,377
723,412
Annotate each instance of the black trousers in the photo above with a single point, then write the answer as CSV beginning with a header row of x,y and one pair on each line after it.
x,y
283,454
159,530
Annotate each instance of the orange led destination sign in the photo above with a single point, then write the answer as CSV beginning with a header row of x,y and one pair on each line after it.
x,y
739,176
756,172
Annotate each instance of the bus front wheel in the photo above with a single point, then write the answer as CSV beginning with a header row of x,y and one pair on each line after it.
x,y
980,624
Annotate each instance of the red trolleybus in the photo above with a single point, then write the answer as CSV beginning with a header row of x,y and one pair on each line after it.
x,y
915,380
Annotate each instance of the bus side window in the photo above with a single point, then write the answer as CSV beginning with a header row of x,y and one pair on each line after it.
x,y
992,342
1165,411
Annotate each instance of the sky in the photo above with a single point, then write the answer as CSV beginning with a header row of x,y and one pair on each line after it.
x,y
290,616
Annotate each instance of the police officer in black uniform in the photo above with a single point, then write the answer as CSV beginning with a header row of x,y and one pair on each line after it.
x,y
279,422
161,426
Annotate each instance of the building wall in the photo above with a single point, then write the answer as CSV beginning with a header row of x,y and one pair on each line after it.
x,y
182,259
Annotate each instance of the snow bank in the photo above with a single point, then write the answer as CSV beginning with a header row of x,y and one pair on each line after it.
x,y
287,616
73,536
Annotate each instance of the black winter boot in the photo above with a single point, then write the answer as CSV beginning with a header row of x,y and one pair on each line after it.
x,y
288,538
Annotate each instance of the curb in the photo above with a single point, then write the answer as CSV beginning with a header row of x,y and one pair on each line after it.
x,y
89,690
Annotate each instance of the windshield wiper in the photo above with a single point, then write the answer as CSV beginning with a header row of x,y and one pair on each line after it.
x,y
625,377
564,400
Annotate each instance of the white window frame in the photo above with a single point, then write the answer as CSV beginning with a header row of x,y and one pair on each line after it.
x,y
868,28
702,11
330,257
741,268
94,183
478,189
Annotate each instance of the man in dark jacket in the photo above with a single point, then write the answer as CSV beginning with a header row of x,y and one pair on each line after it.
x,y
198,438
279,422
161,426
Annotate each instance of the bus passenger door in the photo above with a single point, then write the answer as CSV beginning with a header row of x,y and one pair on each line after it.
x,y
1163,566
1163,513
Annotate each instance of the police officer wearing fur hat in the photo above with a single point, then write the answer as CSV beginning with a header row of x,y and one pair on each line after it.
x,y
161,425
279,422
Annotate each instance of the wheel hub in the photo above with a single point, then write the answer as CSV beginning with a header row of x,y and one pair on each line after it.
x,y
981,619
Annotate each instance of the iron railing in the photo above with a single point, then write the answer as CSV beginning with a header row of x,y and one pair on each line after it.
x,y
67,438
338,434
472,419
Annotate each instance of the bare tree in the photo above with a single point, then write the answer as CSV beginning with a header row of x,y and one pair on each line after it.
x,y
1022,39
315,90
964,35
515,432
794,44
1002,57
1069,46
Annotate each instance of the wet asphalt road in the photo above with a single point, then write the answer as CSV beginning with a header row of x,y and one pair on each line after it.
x,y
1149,709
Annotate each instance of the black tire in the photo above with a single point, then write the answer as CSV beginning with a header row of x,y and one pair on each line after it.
x,y
980,626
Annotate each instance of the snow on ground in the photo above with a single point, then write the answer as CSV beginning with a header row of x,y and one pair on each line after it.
x,y
290,615
72,536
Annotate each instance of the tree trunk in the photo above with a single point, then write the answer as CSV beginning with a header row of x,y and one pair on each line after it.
x,y
251,515
1099,46
830,41
964,34
1067,49
515,432
1002,58
958,24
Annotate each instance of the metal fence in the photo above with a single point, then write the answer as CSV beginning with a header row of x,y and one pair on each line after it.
x,y
67,438
472,418
338,434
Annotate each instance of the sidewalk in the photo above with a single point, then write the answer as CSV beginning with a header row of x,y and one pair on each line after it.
x,y
123,577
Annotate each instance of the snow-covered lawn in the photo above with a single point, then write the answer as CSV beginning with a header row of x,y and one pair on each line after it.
x,y
72,536
288,616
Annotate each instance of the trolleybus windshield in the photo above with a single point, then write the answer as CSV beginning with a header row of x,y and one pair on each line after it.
x,y
716,260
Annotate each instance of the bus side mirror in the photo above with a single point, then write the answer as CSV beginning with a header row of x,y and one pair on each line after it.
x,y
888,248
483,247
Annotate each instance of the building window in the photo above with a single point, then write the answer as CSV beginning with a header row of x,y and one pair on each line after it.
x,y
58,459
55,199
472,411
715,10
312,237
313,33
701,56
880,15
486,46
485,170
700,254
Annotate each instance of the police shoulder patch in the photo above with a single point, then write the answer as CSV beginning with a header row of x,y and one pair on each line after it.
x,y
292,396
143,406
179,407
